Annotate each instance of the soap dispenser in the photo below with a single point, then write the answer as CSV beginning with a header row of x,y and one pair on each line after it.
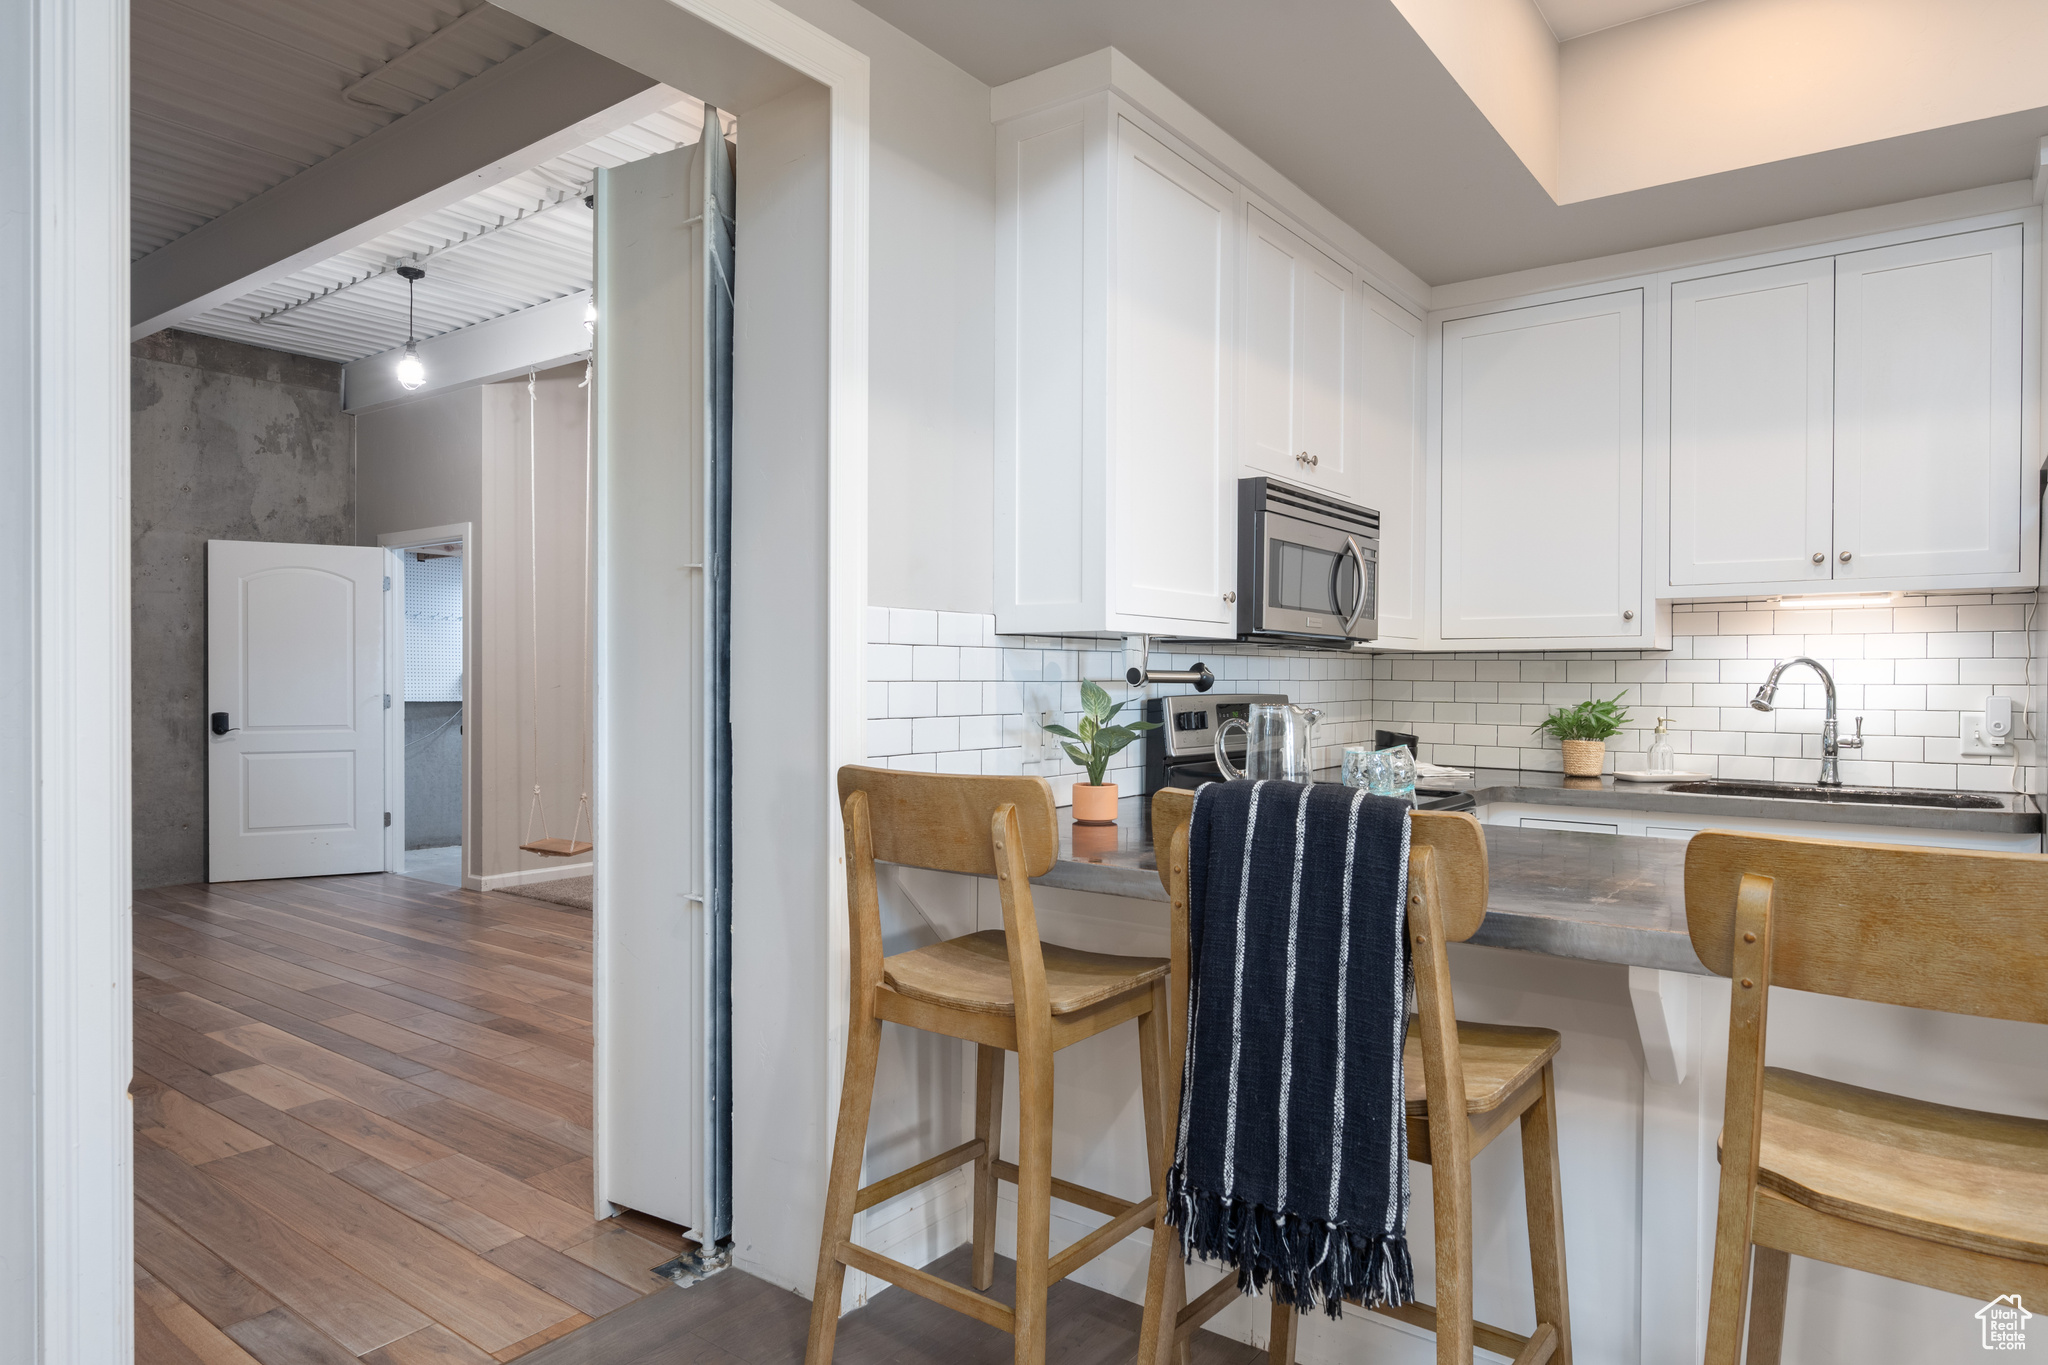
x,y
1661,757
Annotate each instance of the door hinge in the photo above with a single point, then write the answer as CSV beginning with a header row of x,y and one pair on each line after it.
x,y
387,701
387,582
387,819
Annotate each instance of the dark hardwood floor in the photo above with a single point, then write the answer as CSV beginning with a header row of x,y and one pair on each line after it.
x,y
734,1319
362,1111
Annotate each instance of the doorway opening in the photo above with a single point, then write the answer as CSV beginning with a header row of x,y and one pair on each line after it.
x,y
434,781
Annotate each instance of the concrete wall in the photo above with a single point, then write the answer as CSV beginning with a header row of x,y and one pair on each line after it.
x,y
230,442
433,774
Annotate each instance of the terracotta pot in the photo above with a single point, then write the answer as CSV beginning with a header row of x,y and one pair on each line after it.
x,y
1094,805
1092,842
1582,757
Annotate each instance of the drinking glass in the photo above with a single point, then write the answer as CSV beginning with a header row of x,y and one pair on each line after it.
x,y
1383,772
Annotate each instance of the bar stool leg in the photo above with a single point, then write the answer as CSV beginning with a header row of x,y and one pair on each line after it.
x,y
1451,1194
856,1094
1769,1270
988,1128
1543,1190
1166,1275
1280,1342
1034,1185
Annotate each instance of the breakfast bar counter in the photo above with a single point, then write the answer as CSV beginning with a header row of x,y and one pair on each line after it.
x,y
1595,897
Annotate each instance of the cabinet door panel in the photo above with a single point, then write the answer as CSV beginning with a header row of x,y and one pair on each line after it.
x,y
1322,294
1542,470
1928,408
1266,375
1171,317
1752,425
1388,452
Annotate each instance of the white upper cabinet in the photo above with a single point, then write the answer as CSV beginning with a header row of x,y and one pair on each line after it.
x,y
1296,305
1389,454
1541,507
1928,400
1174,246
1752,426
1118,269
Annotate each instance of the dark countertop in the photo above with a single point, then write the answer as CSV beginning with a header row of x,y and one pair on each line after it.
x,y
2016,812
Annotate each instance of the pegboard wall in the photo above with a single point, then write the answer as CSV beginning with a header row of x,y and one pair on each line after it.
x,y
433,628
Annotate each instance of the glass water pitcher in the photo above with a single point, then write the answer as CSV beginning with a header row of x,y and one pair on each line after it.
x,y
1279,743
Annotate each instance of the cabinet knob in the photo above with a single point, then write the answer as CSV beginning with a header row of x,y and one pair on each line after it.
x,y
1230,597
1846,556
1628,616
1820,556
1308,460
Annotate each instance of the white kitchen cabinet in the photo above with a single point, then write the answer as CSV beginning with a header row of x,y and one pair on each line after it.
x,y
1116,444
1293,406
1390,455
1540,504
1928,402
1752,426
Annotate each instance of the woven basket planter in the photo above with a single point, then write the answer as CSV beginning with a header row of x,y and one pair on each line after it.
x,y
1584,757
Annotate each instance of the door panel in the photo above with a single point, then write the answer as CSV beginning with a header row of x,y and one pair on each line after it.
x,y
1928,408
1296,334
1752,426
1172,323
295,658
1542,471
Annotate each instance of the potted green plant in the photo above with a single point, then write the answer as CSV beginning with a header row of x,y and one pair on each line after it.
x,y
1584,730
1092,746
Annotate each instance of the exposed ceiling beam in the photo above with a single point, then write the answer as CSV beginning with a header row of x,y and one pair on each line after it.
x,y
535,105
537,338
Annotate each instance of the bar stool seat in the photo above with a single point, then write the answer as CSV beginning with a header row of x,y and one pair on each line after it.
x,y
1955,1177
1499,1060
973,973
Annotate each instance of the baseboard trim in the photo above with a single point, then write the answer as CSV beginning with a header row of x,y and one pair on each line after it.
x,y
531,876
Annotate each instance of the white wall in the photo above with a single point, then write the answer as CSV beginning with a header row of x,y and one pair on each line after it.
x,y
931,349
420,464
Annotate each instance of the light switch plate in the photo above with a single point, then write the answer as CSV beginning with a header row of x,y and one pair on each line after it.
x,y
1977,744
1041,708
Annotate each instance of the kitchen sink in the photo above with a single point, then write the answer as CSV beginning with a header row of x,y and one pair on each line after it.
x,y
1861,796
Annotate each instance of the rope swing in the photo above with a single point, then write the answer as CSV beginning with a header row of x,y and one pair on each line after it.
x,y
545,846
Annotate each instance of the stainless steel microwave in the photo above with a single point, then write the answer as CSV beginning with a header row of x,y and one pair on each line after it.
x,y
1307,564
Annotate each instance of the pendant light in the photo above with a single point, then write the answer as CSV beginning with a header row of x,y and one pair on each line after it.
x,y
411,373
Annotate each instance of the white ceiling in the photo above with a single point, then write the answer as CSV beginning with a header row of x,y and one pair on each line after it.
x,y
1569,19
1345,100
518,244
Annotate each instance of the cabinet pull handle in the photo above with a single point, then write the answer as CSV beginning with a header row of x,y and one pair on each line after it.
x,y
1230,597
1820,556
1846,556
1628,616
1308,460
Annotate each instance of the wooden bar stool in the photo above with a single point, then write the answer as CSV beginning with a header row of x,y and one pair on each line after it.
x,y
1004,992
1503,1073
1950,1198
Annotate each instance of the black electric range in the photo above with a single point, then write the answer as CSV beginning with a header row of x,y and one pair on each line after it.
x,y
1182,751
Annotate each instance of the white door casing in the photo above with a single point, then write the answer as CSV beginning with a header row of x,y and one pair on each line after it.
x,y
1752,426
296,660
1928,408
1542,468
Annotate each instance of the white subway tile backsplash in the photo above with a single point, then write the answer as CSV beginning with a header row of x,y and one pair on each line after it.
x,y
945,693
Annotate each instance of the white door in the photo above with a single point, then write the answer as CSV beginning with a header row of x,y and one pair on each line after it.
x,y
1928,396
1387,445
1542,471
296,678
654,994
1296,305
1752,426
1171,317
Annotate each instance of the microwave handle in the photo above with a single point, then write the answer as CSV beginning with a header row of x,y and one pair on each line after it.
x,y
1351,621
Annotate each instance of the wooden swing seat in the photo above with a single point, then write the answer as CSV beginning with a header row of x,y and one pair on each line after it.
x,y
556,848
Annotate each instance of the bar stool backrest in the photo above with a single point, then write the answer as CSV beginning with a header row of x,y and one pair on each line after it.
x,y
942,821
1955,930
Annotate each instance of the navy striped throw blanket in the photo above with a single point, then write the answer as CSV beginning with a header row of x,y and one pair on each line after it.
x,y
1292,1158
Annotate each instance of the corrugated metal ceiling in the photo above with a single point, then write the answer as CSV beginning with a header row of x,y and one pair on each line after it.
x,y
232,97
521,243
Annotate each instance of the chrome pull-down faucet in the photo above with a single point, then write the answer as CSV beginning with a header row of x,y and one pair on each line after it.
x,y
1831,742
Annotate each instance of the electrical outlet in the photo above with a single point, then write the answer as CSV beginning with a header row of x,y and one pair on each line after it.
x,y
1978,744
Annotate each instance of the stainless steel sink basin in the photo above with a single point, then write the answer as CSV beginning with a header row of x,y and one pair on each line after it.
x,y
1861,796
